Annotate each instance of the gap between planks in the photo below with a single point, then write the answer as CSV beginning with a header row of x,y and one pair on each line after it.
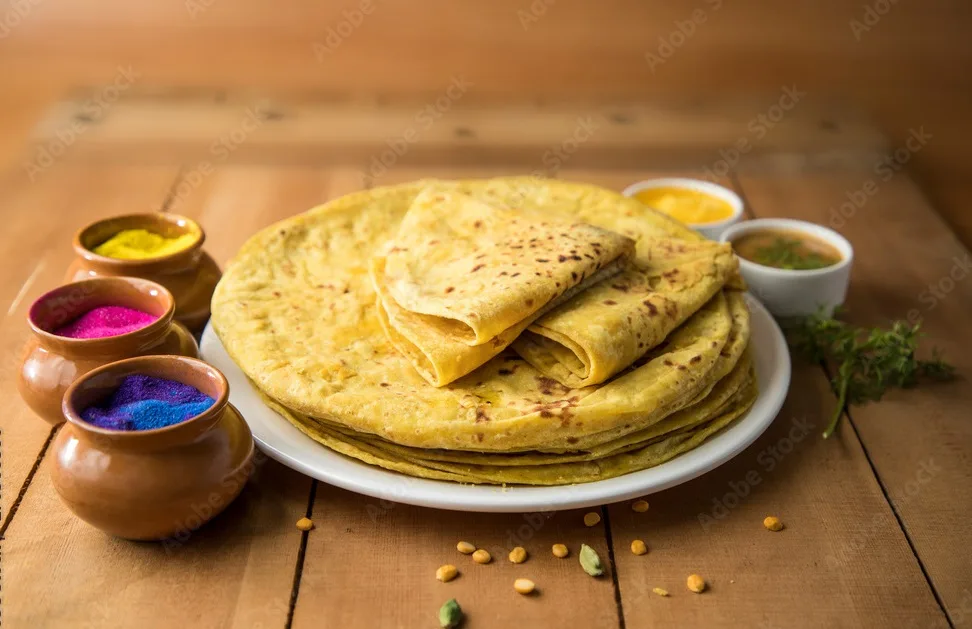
x,y
748,209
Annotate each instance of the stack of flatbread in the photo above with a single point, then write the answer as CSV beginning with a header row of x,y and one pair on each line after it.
x,y
503,331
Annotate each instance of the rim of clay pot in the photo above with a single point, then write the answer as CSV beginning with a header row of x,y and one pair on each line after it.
x,y
76,298
98,383
164,223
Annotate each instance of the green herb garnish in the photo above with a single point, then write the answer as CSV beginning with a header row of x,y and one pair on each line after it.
x,y
868,362
789,253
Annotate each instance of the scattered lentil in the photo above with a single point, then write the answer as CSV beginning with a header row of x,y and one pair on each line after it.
x,y
524,586
139,244
518,554
591,518
773,523
660,591
639,506
465,548
446,573
146,403
559,550
482,556
638,547
695,583
305,524
105,321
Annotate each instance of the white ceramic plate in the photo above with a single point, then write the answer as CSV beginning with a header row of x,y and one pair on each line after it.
x,y
279,439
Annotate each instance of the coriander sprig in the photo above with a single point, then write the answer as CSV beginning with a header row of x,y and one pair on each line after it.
x,y
868,362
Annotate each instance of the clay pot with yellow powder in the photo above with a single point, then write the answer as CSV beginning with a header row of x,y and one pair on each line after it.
x,y
179,264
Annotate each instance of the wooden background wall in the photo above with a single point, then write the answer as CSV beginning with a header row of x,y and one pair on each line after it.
x,y
906,62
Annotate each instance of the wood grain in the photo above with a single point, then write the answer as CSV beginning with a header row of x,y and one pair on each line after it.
x,y
237,571
908,265
459,128
802,576
372,563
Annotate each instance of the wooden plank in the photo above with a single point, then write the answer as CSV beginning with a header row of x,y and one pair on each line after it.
x,y
39,221
823,491
908,264
452,126
238,571
372,563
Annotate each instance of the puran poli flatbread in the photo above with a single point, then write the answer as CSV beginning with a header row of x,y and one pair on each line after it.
x,y
643,457
296,310
729,390
600,332
475,270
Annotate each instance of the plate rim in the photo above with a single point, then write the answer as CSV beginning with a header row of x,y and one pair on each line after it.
x,y
341,471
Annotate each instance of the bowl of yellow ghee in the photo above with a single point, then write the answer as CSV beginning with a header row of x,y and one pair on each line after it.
x,y
706,207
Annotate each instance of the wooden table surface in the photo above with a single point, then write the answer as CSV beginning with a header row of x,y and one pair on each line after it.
x,y
877,518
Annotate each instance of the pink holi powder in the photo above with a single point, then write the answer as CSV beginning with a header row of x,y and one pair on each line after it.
x,y
105,321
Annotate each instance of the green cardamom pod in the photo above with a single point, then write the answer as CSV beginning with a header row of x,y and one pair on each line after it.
x,y
450,615
590,561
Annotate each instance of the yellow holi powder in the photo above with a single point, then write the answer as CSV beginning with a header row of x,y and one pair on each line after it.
x,y
139,244
688,206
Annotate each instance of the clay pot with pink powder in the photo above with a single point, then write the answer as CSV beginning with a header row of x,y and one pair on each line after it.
x,y
56,354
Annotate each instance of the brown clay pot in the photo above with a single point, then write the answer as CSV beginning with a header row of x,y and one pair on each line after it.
x,y
151,484
50,363
190,274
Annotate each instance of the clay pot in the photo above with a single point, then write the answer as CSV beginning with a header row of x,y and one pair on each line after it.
x,y
151,484
50,363
190,274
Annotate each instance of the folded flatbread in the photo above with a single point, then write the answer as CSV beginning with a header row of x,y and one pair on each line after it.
x,y
602,331
462,279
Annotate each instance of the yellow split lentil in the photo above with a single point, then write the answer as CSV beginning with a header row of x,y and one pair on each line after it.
x,y
446,573
638,547
305,524
639,506
518,554
591,518
695,583
482,556
559,550
773,523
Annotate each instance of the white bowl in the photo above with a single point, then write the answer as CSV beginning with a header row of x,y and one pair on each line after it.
x,y
796,293
712,231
